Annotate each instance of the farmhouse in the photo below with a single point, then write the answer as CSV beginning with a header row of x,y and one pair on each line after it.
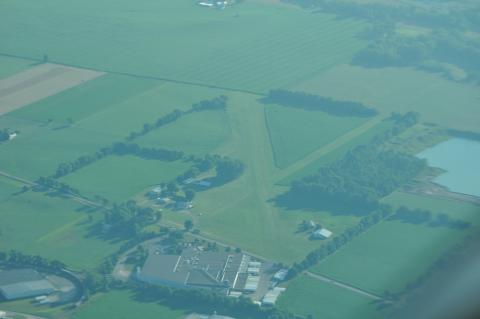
x,y
23,283
322,234
196,269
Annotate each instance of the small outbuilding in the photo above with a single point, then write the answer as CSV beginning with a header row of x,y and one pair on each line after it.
x,y
322,234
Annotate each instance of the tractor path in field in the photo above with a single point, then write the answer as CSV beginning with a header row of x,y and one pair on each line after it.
x,y
312,157
344,286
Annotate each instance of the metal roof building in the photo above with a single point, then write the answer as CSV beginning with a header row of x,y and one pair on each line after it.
x,y
23,283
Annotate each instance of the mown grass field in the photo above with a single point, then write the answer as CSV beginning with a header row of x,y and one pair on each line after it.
x,y
252,46
10,66
439,101
119,178
295,133
389,255
121,305
197,133
309,296
35,223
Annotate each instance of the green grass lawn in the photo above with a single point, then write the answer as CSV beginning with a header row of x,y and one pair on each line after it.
x,y
385,89
10,66
196,133
309,296
295,133
121,305
361,139
254,45
54,228
389,255
118,178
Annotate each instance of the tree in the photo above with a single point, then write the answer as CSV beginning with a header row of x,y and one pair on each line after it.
x,y
189,195
188,224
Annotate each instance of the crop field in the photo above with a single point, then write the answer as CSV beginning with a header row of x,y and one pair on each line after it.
x,y
404,253
10,66
309,296
430,95
180,41
119,178
295,133
120,304
57,228
197,133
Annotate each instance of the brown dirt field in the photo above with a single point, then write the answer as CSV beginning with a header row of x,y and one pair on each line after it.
x,y
38,83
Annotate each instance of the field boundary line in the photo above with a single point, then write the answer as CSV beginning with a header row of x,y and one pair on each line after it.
x,y
140,76
344,285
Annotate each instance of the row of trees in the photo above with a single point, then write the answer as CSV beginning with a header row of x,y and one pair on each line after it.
x,y
314,102
421,216
15,258
200,299
49,183
382,212
217,103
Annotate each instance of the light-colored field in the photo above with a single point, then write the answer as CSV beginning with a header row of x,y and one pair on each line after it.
x,y
440,101
38,83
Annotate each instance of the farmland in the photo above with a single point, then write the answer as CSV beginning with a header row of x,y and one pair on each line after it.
x,y
295,133
308,296
122,177
121,304
430,95
60,228
387,265
172,40
10,66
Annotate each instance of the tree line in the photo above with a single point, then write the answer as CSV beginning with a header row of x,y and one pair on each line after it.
x,y
314,102
382,212
4,135
426,217
15,258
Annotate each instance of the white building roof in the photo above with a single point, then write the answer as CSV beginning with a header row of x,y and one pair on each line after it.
x,y
325,233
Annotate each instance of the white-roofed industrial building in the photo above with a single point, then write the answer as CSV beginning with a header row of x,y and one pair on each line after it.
x,y
271,297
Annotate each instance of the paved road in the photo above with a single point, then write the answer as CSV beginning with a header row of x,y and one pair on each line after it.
x,y
344,286
11,314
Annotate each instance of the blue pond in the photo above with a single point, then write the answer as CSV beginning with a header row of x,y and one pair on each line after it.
x,y
460,158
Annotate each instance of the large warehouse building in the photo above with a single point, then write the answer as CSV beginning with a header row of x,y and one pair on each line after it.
x,y
23,283
196,269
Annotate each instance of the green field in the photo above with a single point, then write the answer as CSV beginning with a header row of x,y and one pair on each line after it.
x,y
35,223
197,133
309,296
389,255
121,305
10,66
252,46
119,178
385,89
295,133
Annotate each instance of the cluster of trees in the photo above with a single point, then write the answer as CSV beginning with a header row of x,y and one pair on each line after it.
x,y
217,103
356,182
4,135
51,183
319,103
15,258
382,212
421,216
204,298
128,219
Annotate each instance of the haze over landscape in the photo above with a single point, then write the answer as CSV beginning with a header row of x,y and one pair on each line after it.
x,y
239,159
